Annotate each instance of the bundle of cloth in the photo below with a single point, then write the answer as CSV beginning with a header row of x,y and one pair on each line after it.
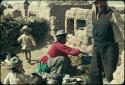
x,y
6,56
42,65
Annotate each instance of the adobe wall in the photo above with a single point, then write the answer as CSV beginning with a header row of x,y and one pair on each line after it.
x,y
60,10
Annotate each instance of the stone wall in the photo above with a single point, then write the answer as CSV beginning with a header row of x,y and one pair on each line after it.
x,y
44,9
60,10
40,8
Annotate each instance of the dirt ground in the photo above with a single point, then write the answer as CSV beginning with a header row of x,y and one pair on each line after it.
x,y
36,54
27,67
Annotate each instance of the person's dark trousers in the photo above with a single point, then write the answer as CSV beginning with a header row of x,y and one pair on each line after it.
x,y
105,60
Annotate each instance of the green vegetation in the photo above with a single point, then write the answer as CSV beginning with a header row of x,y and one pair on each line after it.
x,y
10,31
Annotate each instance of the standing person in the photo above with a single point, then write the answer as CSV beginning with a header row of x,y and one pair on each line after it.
x,y
105,49
16,75
58,61
27,42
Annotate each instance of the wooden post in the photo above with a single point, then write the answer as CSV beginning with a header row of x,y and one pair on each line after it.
x,y
75,25
66,25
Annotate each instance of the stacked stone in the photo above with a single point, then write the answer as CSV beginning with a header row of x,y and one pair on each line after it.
x,y
84,39
78,13
53,24
80,41
81,38
13,13
71,40
8,12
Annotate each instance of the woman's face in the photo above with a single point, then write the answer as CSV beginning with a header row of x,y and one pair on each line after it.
x,y
62,38
20,67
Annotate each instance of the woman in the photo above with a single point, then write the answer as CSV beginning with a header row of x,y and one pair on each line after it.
x,y
58,61
16,75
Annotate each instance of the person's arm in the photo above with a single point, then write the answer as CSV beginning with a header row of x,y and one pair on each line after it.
x,y
118,29
68,50
6,80
118,26
19,39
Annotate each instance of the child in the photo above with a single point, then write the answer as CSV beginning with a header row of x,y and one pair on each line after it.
x,y
27,42
17,76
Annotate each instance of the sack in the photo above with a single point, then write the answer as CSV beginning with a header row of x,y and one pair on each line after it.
x,y
42,68
44,59
87,60
42,65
